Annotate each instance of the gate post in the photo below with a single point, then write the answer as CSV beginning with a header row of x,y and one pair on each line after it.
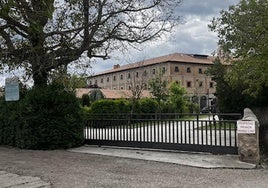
x,y
248,138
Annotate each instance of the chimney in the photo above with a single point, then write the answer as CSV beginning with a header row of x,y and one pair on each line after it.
x,y
116,66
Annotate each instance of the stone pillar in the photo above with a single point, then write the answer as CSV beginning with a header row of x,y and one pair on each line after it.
x,y
248,138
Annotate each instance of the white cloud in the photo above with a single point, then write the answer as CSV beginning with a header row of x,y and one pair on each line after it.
x,y
192,36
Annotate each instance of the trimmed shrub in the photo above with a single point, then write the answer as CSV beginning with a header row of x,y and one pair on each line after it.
x,y
46,118
52,119
148,105
192,107
168,108
9,119
106,106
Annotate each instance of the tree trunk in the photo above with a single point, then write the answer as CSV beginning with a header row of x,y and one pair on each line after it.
x,y
40,78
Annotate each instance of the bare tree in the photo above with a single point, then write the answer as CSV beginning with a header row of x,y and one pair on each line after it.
x,y
42,35
159,88
137,84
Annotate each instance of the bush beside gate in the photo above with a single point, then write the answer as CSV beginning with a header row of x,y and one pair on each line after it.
x,y
46,118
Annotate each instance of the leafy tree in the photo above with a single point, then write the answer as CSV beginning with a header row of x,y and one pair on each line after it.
x,y
243,34
147,105
229,99
43,35
159,88
177,97
70,82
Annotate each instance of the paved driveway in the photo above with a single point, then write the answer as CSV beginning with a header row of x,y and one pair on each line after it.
x,y
66,169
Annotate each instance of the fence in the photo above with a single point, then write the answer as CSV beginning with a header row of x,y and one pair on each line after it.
x,y
187,132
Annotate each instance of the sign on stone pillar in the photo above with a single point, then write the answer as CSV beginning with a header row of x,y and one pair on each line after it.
x,y
248,138
246,127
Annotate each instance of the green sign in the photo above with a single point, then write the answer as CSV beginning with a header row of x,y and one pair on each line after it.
x,y
12,89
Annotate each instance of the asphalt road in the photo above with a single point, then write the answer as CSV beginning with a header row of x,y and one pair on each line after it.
x,y
65,169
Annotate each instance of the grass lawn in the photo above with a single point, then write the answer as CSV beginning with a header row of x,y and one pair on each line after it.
x,y
193,117
222,126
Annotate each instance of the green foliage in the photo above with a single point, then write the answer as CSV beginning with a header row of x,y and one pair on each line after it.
x,y
167,107
9,118
147,105
110,106
70,82
106,106
170,99
230,99
251,74
159,88
85,100
177,97
46,118
192,107
243,34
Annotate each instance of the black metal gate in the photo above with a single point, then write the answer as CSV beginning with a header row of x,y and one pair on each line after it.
x,y
206,133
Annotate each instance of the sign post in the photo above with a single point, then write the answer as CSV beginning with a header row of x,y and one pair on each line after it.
x,y
246,127
12,89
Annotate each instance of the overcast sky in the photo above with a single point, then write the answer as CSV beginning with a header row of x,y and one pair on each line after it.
x,y
191,36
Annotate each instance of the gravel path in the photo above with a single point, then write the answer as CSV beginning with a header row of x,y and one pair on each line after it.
x,y
76,170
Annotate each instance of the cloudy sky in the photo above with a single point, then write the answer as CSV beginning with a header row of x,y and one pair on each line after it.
x,y
191,36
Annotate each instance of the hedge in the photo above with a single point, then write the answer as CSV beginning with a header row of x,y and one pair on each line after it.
x,y
46,118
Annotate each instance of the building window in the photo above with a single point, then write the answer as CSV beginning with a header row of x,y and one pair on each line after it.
x,y
153,71
189,69
101,80
176,69
122,88
114,78
200,84
129,87
128,76
200,71
90,82
137,74
189,84
108,79
121,76
211,84
96,81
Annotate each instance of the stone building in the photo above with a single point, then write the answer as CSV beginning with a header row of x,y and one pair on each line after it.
x,y
186,69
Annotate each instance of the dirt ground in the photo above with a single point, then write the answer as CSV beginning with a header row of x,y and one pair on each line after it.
x,y
76,170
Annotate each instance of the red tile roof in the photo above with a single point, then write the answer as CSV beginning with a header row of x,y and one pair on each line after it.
x,y
112,94
176,57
